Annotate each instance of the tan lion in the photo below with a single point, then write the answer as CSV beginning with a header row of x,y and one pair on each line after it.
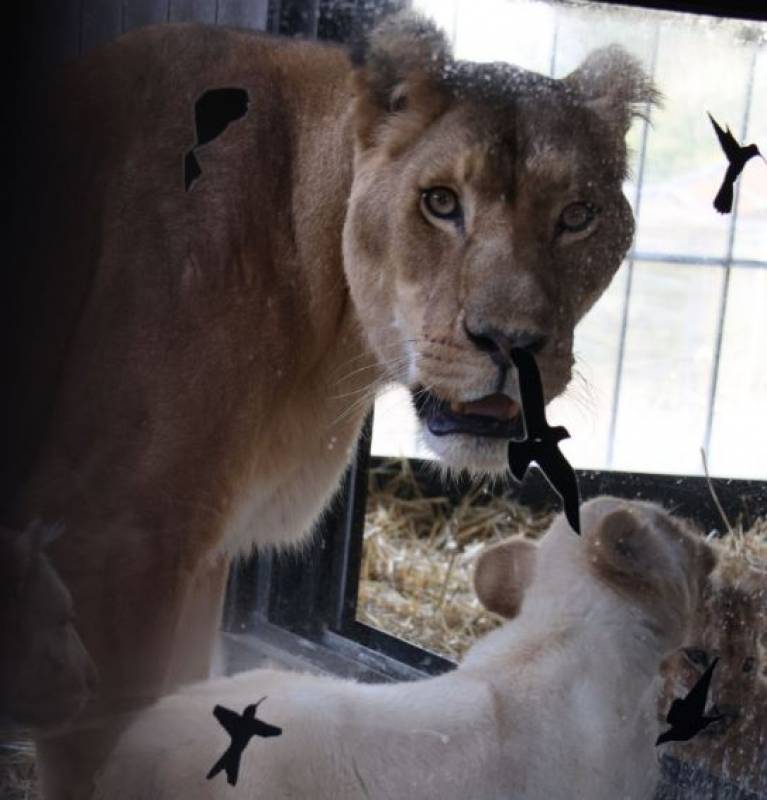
x,y
194,367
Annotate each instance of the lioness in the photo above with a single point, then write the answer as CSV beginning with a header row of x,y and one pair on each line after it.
x,y
193,368
556,704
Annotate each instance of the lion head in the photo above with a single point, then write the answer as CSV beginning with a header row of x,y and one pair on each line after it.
x,y
486,213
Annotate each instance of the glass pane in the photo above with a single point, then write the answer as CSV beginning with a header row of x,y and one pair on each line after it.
x,y
521,32
667,368
739,435
685,164
752,200
676,168
586,407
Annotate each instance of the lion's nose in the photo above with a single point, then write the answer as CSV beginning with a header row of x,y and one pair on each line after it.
x,y
498,345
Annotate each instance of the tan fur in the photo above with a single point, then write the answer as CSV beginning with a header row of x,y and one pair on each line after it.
x,y
194,368
46,676
730,623
557,703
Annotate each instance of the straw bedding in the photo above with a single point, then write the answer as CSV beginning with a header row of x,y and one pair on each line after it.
x,y
419,555
419,552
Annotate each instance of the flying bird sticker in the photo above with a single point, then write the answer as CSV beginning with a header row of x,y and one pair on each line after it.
x,y
687,715
738,156
541,442
242,728
213,112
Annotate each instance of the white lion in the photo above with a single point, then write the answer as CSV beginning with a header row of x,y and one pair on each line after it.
x,y
559,703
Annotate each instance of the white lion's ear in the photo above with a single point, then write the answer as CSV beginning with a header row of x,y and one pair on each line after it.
x,y
503,573
623,548
398,70
614,85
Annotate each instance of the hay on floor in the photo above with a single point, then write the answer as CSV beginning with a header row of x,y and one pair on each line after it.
x,y
419,552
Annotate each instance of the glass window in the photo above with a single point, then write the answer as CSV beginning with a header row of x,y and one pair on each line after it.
x,y
670,358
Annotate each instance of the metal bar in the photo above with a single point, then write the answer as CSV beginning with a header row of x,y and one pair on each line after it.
x,y
630,265
400,650
699,261
554,43
728,265
454,32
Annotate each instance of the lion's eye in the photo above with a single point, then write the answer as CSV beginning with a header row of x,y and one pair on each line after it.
x,y
698,658
749,663
577,217
441,202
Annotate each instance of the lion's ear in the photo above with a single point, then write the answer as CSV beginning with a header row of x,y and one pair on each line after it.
x,y
614,85
398,71
622,549
503,573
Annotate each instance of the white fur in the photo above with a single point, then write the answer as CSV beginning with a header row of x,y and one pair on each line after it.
x,y
556,704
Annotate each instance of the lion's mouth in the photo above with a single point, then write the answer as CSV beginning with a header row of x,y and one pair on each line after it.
x,y
495,415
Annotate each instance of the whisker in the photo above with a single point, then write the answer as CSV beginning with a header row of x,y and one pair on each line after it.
x,y
369,395
370,354
384,346
392,365
367,399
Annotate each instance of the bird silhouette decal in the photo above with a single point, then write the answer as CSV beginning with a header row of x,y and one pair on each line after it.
x,y
213,112
242,728
737,156
541,442
686,715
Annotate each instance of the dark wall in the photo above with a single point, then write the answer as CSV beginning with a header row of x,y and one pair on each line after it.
x,y
51,32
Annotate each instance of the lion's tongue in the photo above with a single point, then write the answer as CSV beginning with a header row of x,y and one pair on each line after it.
x,y
498,406
496,416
